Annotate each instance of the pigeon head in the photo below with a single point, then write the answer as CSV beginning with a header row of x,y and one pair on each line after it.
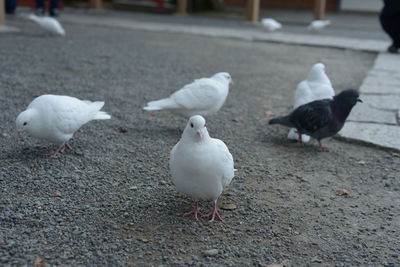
x,y
223,77
196,128
348,98
25,120
317,73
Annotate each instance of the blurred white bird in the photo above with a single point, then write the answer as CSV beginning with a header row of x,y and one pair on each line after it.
x,y
204,97
55,118
318,25
270,24
48,23
201,166
317,86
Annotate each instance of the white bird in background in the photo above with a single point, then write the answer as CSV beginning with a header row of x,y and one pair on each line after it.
x,y
270,24
201,166
204,97
318,25
48,23
55,118
317,86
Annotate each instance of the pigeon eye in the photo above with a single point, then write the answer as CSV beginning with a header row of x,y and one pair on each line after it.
x,y
191,125
25,123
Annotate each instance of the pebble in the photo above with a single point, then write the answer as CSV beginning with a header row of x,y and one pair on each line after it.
x,y
210,252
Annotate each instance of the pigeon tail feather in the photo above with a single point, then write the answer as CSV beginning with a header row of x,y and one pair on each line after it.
x,y
166,103
282,120
100,115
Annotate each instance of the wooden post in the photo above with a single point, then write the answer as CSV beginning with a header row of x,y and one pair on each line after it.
x,y
96,4
2,12
319,9
182,7
253,10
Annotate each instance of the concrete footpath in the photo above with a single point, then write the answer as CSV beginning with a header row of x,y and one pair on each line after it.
x,y
377,121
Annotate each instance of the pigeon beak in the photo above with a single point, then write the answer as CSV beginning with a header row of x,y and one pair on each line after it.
x,y
359,100
199,134
232,82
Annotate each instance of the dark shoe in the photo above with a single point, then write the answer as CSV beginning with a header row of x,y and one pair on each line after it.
x,y
392,49
54,12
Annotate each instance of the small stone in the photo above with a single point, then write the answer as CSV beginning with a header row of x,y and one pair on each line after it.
x,y
133,187
210,252
56,194
342,192
361,162
162,182
275,265
229,206
123,129
144,240
316,259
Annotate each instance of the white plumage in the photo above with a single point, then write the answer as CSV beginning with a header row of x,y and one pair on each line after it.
x,y
55,118
201,166
318,25
204,97
270,24
315,87
48,23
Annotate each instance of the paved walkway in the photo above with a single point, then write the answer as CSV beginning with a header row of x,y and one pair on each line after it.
x,y
376,121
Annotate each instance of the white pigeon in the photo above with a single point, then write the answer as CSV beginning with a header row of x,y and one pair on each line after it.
x,y
55,118
317,86
48,23
201,166
318,25
203,96
270,24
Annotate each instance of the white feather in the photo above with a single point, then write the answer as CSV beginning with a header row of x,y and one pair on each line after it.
x,y
55,118
318,25
48,23
315,87
203,96
200,167
271,24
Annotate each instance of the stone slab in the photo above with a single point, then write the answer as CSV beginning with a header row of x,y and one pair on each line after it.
x,y
378,134
383,89
5,29
387,61
383,102
365,113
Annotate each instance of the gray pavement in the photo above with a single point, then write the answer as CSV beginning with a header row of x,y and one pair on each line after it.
x,y
110,202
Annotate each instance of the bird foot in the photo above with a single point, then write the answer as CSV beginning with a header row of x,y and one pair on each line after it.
x,y
59,149
195,211
214,214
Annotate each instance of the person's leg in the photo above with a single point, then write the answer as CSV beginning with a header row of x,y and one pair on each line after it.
x,y
54,8
11,5
39,7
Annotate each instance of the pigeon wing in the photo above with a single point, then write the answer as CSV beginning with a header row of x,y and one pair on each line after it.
x,y
313,116
227,162
201,94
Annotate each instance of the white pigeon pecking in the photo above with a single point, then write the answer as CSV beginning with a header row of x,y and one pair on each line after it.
x,y
203,96
201,166
48,23
317,86
318,25
271,24
55,118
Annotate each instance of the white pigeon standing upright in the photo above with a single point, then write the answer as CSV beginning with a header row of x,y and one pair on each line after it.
x,y
318,25
203,96
48,23
55,118
270,24
315,87
201,166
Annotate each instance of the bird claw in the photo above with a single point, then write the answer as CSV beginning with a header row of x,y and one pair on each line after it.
x,y
58,150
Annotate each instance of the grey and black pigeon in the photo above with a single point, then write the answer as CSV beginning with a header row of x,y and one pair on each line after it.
x,y
321,118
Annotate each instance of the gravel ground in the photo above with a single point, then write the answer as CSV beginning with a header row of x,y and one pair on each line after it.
x,y
110,201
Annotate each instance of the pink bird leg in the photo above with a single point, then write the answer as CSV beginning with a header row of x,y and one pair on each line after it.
x,y
59,149
195,210
214,213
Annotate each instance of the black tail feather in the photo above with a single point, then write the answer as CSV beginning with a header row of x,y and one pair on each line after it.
x,y
281,120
